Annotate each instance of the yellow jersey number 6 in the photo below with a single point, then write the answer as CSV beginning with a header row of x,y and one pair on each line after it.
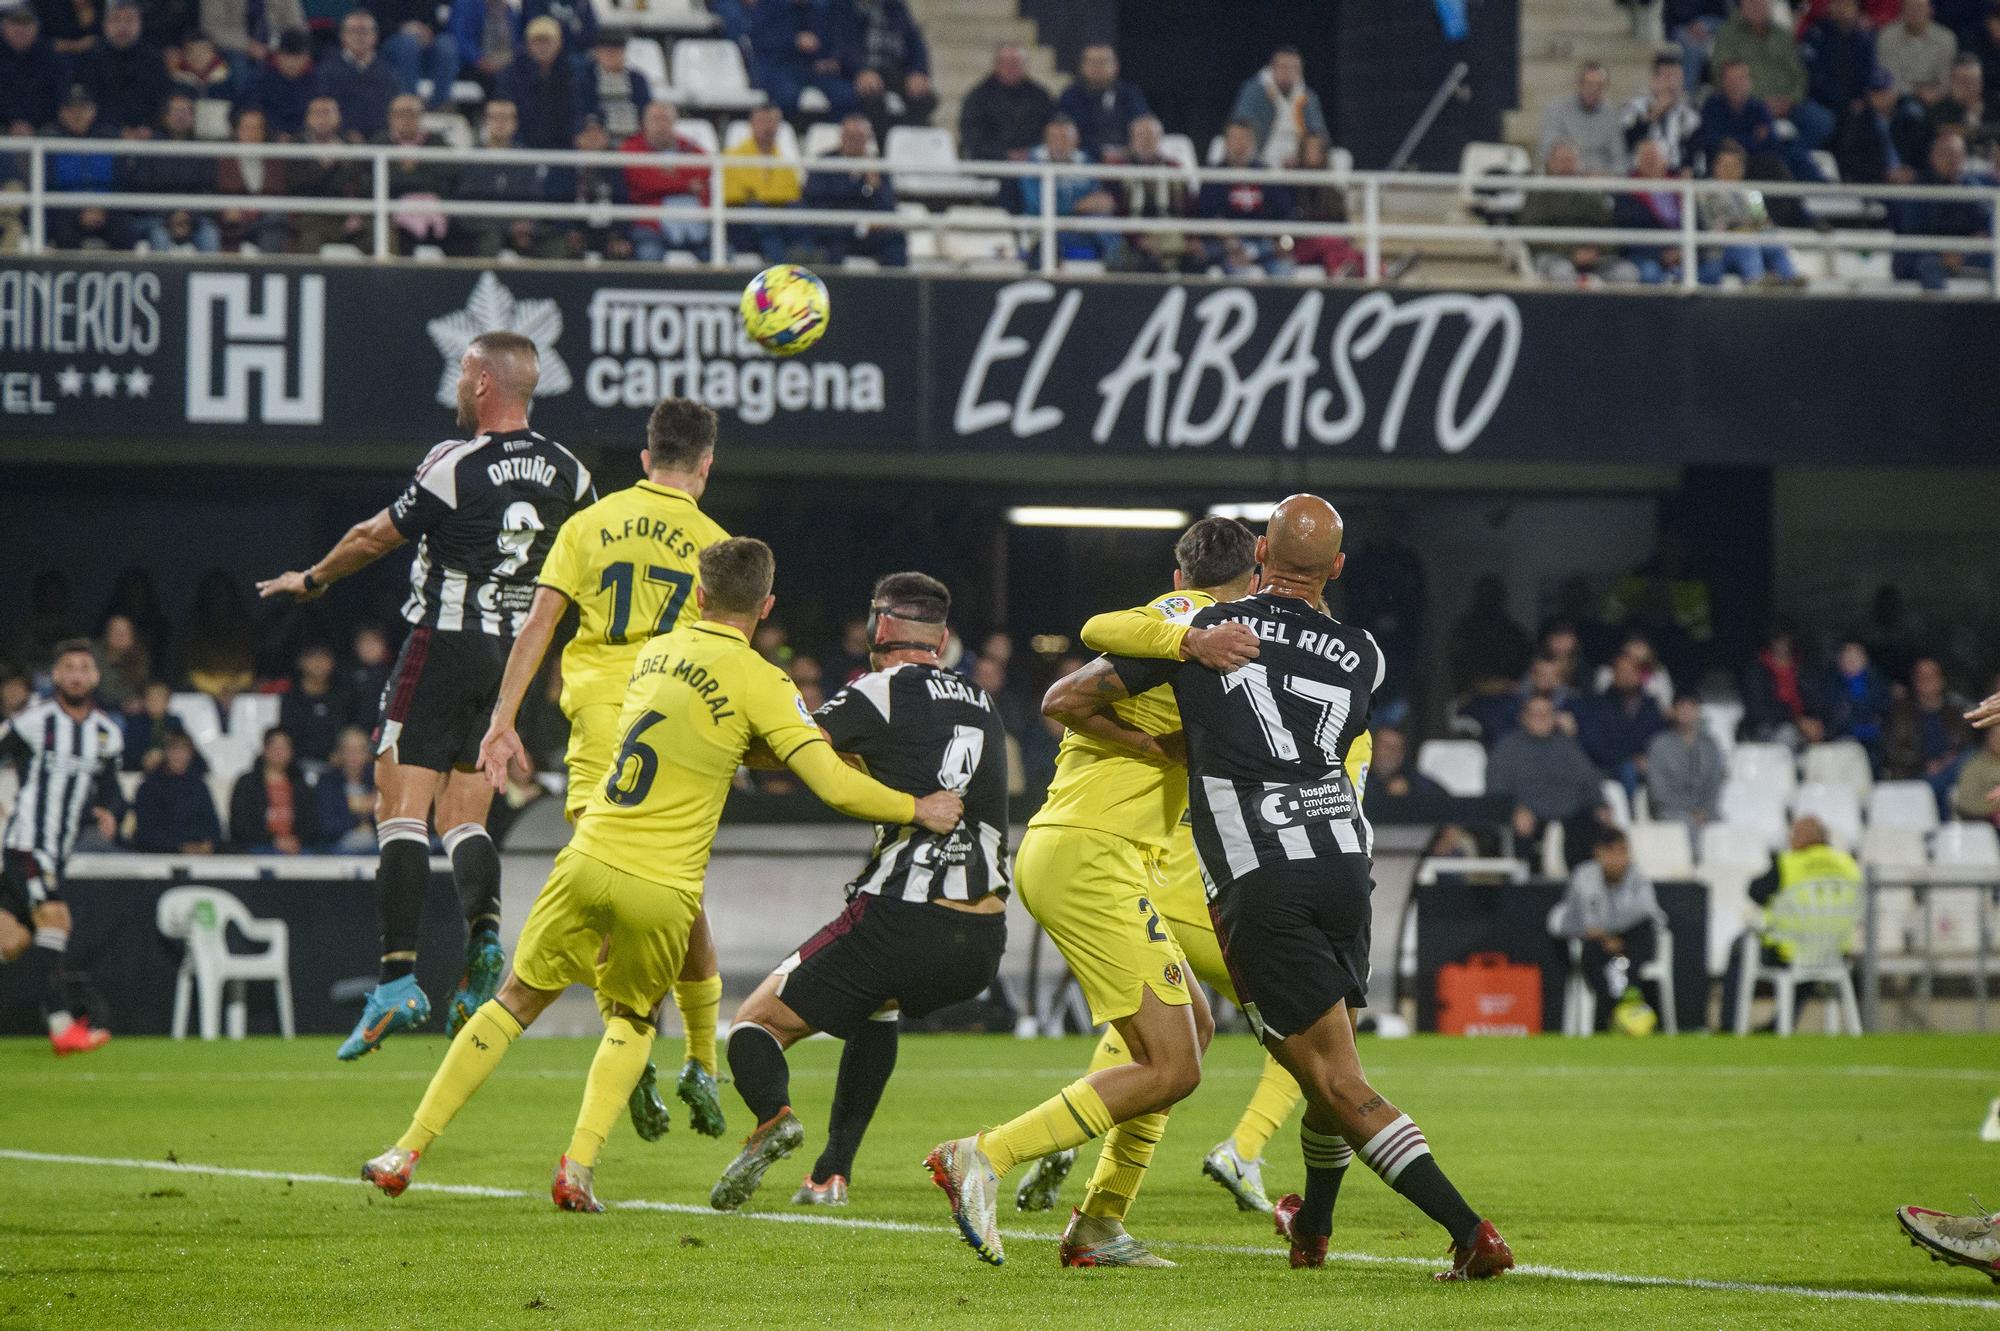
x,y
626,794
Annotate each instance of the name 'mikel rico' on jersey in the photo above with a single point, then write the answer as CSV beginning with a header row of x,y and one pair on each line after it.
x,y
484,512
921,728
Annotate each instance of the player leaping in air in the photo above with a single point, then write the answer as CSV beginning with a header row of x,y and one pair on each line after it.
x,y
483,512
1285,851
699,698
628,563
926,920
1089,865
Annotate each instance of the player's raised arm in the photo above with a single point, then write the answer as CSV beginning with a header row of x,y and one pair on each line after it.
x,y
501,748
364,543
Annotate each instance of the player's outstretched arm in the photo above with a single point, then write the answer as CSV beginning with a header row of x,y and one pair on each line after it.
x,y
1987,714
861,796
364,543
1150,635
502,748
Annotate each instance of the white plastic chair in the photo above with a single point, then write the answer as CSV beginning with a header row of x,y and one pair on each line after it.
x,y
1459,765
1663,851
1760,808
1909,805
1763,764
646,58
1722,716
1967,845
657,16
1580,1001
1819,945
700,133
996,240
709,72
201,917
823,139
1180,149
1480,167
1736,845
1839,762
1618,803
1892,848
1838,806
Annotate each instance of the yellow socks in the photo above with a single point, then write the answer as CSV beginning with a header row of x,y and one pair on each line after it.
x,y
1069,1118
621,1058
1277,1094
699,1001
1110,1052
474,1053
1121,1166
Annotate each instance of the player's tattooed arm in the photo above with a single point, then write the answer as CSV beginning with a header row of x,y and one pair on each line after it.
x,y
1082,701
364,543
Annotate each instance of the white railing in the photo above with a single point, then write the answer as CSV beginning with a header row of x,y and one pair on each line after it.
x,y
1370,231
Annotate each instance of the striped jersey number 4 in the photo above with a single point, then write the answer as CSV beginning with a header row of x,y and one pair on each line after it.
x,y
1253,681
961,758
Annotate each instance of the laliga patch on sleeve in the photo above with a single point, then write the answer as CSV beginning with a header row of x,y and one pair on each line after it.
x,y
805,713
1174,606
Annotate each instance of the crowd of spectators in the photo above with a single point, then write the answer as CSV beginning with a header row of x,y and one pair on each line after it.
x,y
1884,93
550,77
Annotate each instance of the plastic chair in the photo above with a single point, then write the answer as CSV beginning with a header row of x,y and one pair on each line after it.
x,y
1480,167
1819,943
823,139
1722,716
1459,765
1580,1001
1763,764
997,240
1618,803
202,918
645,57
1759,808
1894,849
1180,150
1908,805
700,133
1663,851
1839,762
1838,806
1966,845
1736,845
709,72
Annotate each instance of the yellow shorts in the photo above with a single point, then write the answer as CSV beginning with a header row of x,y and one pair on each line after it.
x,y
593,738
1092,892
1183,901
586,901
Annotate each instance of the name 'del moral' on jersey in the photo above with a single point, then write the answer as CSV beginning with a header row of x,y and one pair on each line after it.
x,y
649,344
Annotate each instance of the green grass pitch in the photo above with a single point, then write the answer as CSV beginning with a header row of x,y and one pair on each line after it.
x,y
1705,1182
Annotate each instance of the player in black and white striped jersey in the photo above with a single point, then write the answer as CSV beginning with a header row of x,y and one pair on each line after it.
x,y
925,922
1285,853
483,512
66,753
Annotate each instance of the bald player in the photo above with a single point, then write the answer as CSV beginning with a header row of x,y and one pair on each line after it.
x,y
1285,853
483,512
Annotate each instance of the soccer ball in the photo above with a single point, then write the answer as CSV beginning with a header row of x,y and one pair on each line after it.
x,y
785,309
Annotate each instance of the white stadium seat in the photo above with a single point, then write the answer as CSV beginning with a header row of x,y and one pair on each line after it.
x,y
711,73
1769,765
646,58
700,133
1618,803
1890,849
1459,765
1903,804
1663,851
1839,762
1966,845
1838,806
1737,845
1760,807
1722,717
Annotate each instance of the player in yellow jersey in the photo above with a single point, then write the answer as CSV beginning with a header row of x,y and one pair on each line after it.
x,y
698,700
627,563
1089,869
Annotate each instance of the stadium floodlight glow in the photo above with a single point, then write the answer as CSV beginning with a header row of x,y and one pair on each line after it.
x,y
1060,515
1252,512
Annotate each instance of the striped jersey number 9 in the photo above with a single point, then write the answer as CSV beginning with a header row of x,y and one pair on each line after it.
x,y
625,794
1334,702
618,579
961,758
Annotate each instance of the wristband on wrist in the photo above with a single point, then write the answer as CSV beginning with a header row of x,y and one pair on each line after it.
x,y
312,583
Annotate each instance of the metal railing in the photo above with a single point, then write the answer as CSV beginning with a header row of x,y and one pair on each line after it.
x,y
1367,228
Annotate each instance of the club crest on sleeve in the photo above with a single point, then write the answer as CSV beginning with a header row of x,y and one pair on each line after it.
x,y
1173,974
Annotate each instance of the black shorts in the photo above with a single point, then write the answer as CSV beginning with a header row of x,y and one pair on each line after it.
x,y
1295,939
439,698
24,885
920,956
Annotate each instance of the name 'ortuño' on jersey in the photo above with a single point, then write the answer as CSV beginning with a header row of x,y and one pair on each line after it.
x,y
484,513
1268,743
921,728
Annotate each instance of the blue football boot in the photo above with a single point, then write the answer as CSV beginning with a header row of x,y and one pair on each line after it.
x,y
398,1005
485,962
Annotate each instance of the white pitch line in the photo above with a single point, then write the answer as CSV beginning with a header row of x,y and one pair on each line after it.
x,y
1031,1236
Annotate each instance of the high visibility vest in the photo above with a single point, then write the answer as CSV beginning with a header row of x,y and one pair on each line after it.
x,y
1819,894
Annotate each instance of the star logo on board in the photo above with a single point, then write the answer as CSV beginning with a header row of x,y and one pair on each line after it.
x,y
104,382
493,308
69,381
138,383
